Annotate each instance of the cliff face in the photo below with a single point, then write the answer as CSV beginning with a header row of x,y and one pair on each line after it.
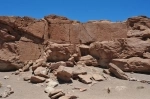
x,y
23,38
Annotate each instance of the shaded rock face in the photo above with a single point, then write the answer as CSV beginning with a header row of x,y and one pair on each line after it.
x,y
134,64
55,38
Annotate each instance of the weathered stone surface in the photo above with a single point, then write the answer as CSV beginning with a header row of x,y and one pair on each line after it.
x,y
58,52
146,55
137,33
85,78
41,71
9,59
64,73
56,65
97,77
136,23
134,64
117,72
28,51
37,79
88,60
68,97
78,70
56,94
105,51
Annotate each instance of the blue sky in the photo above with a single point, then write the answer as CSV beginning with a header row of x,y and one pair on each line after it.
x,y
82,10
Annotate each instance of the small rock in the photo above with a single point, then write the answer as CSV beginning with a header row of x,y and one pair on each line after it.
x,y
27,66
132,79
83,89
68,97
17,72
56,94
106,71
37,79
78,70
26,78
64,73
97,77
6,77
20,70
140,87
49,89
51,83
108,90
56,65
85,79
69,64
41,71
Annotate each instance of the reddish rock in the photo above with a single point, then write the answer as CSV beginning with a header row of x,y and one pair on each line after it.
x,y
134,64
105,51
85,78
64,73
116,71
37,79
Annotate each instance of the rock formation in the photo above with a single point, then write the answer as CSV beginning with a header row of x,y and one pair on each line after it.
x,y
66,47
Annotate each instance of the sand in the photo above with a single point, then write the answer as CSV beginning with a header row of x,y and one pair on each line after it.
x,y
119,89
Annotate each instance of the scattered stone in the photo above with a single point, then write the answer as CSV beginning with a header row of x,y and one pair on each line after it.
x,y
49,89
88,60
64,73
85,79
41,71
78,70
97,77
132,79
7,92
146,55
106,71
108,90
17,72
69,64
56,94
56,65
27,78
38,63
117,72
80,89
51,83
133,64
37,79
140,87
68,97
27,66
6,77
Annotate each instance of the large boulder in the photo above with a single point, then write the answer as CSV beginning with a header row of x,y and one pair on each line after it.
x,y
105,51
134,64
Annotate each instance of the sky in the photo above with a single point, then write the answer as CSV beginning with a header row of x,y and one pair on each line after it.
x,y
81,10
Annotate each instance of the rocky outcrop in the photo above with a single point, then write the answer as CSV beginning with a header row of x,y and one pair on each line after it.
x,y
55,38
134,64
105,51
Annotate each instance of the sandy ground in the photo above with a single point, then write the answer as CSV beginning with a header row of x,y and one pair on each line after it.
x,y
119,89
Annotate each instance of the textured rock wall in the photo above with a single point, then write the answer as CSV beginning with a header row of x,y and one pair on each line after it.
x,y
24,38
